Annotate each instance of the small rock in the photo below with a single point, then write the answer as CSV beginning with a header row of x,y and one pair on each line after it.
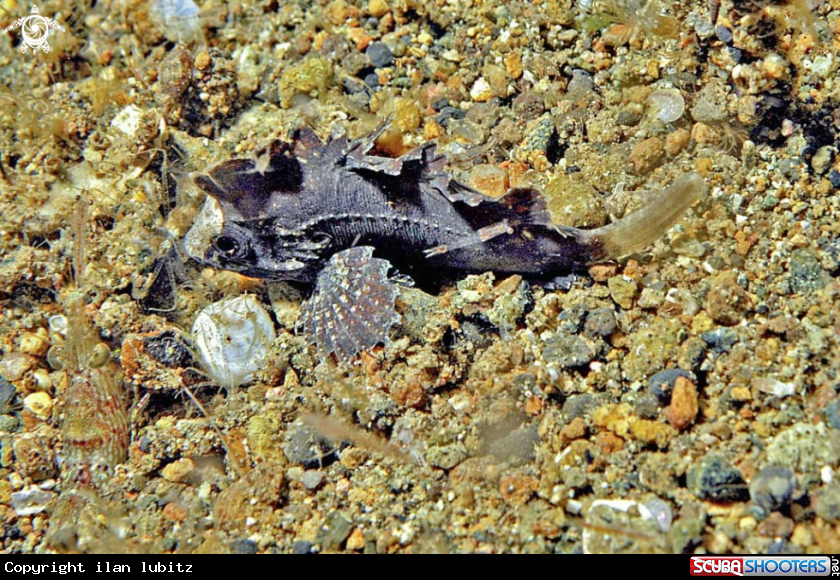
x,y
567,351
35,455
243,546
539,135
380,55
661,385
335,530
676,141
35,343
302,547
652,432
579,405
805,272
517,488
202,60
9,423
805,448
684,404
831,414
168,348
513,64
178,471
726,302
772,487
574,202
827,502
447,456
8,392
308,447
776,526
821,161
600,322
378,8
647,406
312,479
647,155
31,500
720,339
651,299
481,90
622,291
39,404
715,479
356,540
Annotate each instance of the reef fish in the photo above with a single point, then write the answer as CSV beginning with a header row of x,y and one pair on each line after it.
x,y
337,217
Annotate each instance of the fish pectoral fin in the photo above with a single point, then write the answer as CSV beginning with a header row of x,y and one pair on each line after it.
x,y
352,307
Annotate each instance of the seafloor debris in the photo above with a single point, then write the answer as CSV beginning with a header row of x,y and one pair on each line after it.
x,y
233,337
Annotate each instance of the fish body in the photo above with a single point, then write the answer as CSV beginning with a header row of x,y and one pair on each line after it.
x,y
333,215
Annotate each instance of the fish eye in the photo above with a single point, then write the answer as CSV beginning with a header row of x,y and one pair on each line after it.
x,y
227,245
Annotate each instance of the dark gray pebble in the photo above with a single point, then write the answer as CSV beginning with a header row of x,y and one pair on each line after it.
x,y
306,446
302,547
772,488
715,479
600,322
380,55
579,405
720,339
827,504
335,530
831,414
805,272
243,547
568,351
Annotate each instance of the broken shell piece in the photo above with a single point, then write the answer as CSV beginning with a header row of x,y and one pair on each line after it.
x,y
619,526
233,337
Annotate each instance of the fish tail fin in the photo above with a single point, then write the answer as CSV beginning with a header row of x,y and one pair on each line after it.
x,y
640,229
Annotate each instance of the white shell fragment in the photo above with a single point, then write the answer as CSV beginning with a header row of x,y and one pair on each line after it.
x,y
774,387
233,337
668,104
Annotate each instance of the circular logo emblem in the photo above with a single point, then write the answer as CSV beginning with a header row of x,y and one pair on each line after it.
x,y
35,30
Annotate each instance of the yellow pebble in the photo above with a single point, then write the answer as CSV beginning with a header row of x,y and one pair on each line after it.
x,y
39,404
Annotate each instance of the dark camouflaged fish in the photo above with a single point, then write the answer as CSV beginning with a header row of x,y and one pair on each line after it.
x,y
334,216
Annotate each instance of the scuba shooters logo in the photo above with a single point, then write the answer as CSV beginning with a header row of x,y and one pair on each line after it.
x,y
765,566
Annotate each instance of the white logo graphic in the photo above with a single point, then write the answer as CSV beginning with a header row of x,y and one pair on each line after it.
x,y
35,29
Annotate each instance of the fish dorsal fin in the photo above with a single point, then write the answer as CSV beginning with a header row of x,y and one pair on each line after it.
x,y
306,143
528,204
245,187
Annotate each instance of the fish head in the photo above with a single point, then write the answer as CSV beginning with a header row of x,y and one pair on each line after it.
x,y
256,248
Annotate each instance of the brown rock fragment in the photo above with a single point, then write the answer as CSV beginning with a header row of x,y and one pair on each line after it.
x,y
684,405
727,303
647,155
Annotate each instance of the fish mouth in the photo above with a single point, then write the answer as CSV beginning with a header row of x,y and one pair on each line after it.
x,y
206,227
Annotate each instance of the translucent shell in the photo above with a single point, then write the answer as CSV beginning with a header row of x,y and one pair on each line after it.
x,y
233,337
668,104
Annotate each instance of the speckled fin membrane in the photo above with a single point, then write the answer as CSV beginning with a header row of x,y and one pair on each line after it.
x,y
352,307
